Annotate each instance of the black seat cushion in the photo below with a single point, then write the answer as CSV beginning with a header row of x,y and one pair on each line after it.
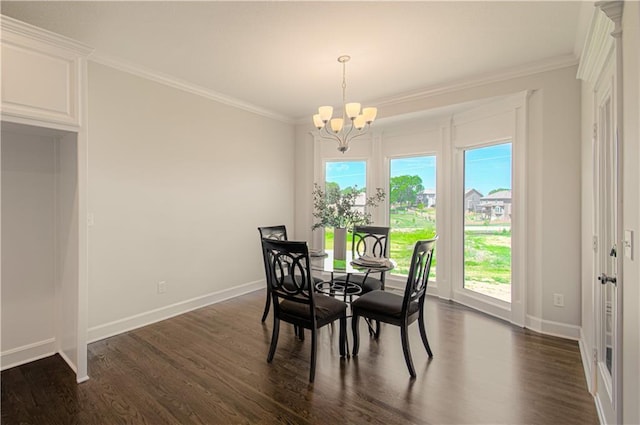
x,y
328,309
369,284
382,303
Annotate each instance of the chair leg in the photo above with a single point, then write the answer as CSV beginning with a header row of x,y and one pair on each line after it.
x,y
314,342
374,332
267,305
343,336
356,335
369,326
274,338
406,350
299,332
423,334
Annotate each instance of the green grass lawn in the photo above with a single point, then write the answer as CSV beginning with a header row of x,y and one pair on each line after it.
x,y
487,252
488,257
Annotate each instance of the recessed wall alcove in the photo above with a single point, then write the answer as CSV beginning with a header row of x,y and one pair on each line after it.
x,y
40,246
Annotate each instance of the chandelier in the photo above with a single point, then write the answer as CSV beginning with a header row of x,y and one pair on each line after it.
x,y
335,128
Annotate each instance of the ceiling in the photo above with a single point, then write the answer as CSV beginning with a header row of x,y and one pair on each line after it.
x,y
281,56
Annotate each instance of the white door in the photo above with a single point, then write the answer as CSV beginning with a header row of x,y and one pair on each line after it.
x,y
607,248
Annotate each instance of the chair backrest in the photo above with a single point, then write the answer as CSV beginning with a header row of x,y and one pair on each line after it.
x,y
289,272
278,232
370,240
419,272
273,232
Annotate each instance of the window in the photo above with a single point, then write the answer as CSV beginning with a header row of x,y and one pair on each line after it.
x,y
341,176
487,228
412,207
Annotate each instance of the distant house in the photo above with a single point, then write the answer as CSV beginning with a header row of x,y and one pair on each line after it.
x,y
472,200
427,197
496,206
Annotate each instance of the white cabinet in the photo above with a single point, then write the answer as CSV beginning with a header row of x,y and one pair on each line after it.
x,y
44,204
41,75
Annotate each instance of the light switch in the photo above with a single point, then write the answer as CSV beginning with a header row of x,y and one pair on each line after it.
x,y
628,244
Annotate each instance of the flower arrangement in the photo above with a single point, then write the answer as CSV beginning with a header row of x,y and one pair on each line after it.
x,y
335,208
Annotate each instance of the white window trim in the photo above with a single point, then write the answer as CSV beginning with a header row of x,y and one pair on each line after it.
x,y
515,312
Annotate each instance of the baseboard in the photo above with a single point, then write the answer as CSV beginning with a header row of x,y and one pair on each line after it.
x,y
107,330
546,327
589,368
549,327
27,353
71,364
586,362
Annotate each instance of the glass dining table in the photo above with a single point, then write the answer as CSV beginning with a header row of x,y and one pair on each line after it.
x,y
326,263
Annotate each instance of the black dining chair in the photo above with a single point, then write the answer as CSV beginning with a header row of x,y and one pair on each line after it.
x,y
400,310
294,300
371,241
279,233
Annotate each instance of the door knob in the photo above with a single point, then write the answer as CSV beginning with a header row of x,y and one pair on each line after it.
x,y
604,279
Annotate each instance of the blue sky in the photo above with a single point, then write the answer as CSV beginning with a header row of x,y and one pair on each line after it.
x,y
486,169
347,174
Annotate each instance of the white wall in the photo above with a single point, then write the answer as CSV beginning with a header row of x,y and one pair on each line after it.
x,y
28,247
631,212
553,186
67,253
178,185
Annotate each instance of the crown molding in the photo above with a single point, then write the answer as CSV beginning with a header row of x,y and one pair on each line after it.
x,y
10,25
546,65
597,47
179,84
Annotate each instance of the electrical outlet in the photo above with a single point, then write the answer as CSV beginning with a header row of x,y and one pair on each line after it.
x,y
558,300
162,287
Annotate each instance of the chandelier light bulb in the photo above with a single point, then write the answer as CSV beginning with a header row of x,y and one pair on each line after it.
x,y
359,122
317,121
352,109
336,124
369,114
325,113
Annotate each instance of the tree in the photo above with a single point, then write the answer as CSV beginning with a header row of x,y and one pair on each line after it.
x,y
353,189
341,211
498,190
332,190
405,189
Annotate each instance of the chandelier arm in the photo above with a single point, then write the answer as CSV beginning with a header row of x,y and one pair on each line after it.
x,y
355,136
329,135
348,133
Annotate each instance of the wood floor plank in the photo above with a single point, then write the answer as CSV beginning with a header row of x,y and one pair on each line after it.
x,y
209,367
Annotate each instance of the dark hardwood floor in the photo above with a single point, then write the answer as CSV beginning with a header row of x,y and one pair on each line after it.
x,y
209,367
